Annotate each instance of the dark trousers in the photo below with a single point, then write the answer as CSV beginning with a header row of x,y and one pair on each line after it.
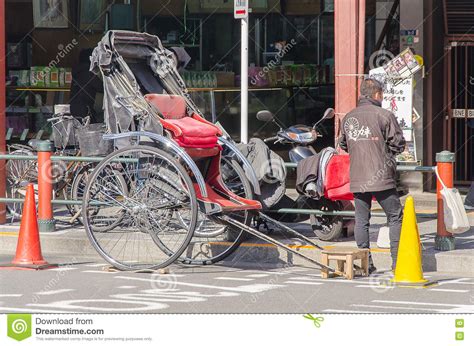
x,y
392,207
469,201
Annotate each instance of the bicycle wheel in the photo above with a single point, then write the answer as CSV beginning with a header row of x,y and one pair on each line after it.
x,y
77,193
20,173
159,195
213,241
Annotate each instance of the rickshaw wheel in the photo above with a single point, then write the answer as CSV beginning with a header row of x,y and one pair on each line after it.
x,y
213,241
158,196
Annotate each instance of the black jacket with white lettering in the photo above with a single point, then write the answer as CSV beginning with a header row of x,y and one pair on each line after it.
x,y
372,137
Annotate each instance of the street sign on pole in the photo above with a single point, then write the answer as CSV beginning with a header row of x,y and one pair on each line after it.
x,y
241,9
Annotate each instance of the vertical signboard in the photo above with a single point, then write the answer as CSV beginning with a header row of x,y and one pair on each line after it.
x,y
241,9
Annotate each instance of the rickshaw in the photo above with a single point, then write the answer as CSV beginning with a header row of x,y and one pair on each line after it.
x,y
174,188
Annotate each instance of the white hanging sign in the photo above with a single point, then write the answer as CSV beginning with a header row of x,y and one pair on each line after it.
x,y
241,9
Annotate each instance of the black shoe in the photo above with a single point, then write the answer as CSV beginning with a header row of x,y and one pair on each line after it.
x,y
372,269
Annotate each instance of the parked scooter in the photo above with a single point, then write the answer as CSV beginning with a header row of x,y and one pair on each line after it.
x,y
301,138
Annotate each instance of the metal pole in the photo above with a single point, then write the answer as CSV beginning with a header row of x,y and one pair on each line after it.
x,y
2,109
361,43
244,72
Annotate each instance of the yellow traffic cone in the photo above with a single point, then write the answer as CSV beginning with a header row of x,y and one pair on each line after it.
x,y
409,268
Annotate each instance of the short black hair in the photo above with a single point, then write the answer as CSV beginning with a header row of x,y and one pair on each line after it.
x,y
370,86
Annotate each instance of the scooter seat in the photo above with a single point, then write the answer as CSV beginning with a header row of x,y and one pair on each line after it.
x,y
188,131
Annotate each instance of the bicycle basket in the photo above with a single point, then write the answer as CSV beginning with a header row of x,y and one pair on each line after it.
x,y
64,133
91,142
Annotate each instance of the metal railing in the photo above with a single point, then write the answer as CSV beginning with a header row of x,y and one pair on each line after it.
x,y
94,159
444,169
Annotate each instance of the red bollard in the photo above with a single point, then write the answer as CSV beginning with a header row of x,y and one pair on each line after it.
x,y
46,221
444,240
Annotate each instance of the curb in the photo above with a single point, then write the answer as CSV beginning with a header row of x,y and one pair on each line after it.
x,y
251,254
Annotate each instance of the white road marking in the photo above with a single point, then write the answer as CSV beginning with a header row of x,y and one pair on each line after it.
x,y
377,286
258,275
125,287
135,305
96,265
341,280
49,293
298,269
394,307
454,308
98,272
269,272
419,303
303,283
255,288
448,290
10,295
233,279
61,269
456,281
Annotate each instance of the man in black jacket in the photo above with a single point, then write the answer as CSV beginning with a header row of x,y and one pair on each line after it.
x,y
372,137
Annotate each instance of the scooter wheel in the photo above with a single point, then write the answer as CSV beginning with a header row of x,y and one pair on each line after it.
x,y
327,227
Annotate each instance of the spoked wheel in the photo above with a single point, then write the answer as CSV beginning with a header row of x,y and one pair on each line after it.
x,y
327,227
157,208
78,187
19,174
213,241
76,190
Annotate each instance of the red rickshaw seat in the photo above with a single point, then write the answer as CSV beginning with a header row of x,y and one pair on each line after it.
x,y
199,138
188,131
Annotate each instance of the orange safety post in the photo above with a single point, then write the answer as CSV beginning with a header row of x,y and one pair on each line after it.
x,y
444,240
46,221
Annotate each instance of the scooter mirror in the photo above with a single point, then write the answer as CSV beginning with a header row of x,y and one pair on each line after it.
x,y
265,116
329,113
